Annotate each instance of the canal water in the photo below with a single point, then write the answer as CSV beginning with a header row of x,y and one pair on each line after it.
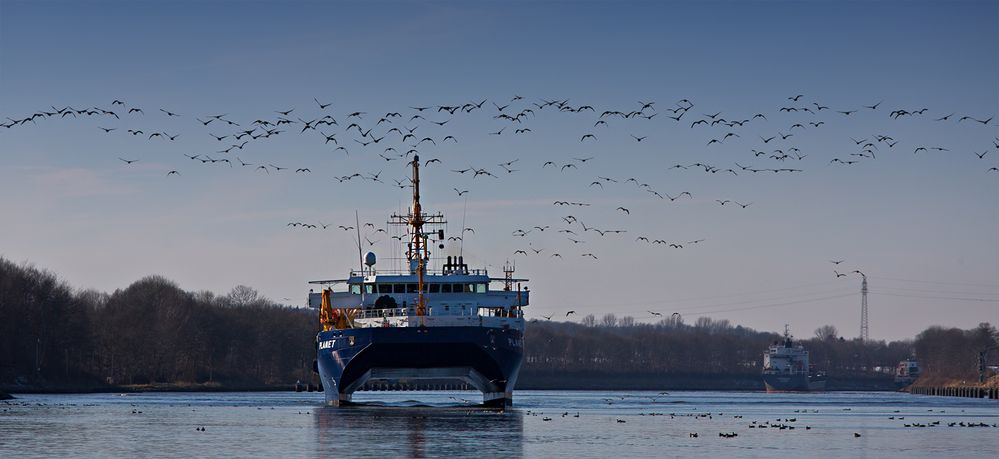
x,y
543,424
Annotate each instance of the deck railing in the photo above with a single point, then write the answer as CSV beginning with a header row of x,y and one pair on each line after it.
x,y
411,312
429,272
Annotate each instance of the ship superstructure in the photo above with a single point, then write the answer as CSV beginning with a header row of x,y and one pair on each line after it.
x,y
421,326
907,372
786,367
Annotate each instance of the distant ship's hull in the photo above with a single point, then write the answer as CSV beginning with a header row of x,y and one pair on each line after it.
x,y
402,357
793,383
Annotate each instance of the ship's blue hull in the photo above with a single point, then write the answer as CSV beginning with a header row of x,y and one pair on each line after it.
x,y
793,383
484,357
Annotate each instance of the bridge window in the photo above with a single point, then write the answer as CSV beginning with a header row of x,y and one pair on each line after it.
x,y
445,288
369,288
435,288
399,288
411,288
480,288
384,288
355,289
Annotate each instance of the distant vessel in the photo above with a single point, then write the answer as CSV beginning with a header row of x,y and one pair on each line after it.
x,y
420,328
907,372
786,368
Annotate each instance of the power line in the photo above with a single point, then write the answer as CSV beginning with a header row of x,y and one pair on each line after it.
x,y
711,308
774,305
713,297
941,291
983,300
936,282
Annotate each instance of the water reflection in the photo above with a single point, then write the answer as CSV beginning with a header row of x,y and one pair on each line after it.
x,y
418,431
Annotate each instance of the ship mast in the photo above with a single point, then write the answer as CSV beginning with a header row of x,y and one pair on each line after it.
x,y
418,240
418,247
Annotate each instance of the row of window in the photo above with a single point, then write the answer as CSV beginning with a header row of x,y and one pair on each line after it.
x,y
371,289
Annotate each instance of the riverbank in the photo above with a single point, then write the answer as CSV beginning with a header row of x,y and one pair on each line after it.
x,y
130,388
930,381
588,380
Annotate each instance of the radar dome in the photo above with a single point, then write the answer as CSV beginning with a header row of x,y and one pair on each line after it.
x,y
369,259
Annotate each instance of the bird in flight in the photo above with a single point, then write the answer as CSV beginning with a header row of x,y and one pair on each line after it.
x,y
570,312
836,262
128,161
322,106
172,173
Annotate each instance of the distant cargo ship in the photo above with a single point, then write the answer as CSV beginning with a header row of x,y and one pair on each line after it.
x,y
907,372
420,328
786,368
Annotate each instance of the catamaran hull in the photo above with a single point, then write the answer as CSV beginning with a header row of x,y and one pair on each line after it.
x,y
486,358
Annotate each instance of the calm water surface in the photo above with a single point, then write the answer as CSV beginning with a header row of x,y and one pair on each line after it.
x,y
543,424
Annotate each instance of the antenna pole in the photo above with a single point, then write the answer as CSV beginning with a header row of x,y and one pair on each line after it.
x,y
360,258
461,242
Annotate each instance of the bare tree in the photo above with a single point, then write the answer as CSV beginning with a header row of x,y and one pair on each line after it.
x,y
589,321
609,320
242,295
826,332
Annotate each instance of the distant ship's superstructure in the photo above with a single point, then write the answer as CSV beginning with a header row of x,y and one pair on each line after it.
x,y
420,327
786,368
907,372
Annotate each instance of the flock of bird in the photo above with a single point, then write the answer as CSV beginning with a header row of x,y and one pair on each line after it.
x,y
391,140
779,424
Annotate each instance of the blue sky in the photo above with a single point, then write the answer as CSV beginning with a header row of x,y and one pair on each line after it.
x,y
922,226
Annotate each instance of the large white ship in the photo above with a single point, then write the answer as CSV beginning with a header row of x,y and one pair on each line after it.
x,y
421,327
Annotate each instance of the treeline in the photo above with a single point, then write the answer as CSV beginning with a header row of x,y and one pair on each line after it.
x,y
953,354
704,347
152,331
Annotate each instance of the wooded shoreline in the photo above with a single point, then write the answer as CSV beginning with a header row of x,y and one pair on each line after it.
x,y
153,335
